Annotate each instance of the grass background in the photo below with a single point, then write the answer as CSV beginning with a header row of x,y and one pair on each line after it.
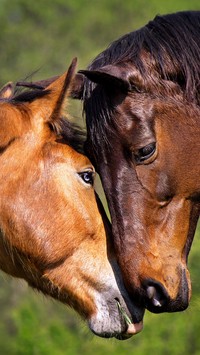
x,y
43,36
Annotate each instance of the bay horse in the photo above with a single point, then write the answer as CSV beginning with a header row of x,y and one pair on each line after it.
x,y
53,230
141,99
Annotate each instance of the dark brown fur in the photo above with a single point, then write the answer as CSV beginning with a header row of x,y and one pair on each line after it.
x,y
142,95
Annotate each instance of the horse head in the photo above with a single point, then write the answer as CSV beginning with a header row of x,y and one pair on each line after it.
x,y
141,100
54,231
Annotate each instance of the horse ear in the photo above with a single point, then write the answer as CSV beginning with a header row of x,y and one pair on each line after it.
x,y
110,75
41,84
7,91
50,105
76,91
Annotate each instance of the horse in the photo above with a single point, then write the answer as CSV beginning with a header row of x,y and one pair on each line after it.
x,y
54,233
141,99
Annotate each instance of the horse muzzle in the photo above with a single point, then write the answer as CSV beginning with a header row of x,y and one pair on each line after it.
x,y
118,317
158,297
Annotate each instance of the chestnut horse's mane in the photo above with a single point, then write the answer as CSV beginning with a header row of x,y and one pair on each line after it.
x,y
71,133
173,43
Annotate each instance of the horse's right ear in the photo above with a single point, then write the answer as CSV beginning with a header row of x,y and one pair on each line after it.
x,y
7,91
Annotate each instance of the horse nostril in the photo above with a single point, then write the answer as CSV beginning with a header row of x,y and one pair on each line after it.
x,y
156,296
153,295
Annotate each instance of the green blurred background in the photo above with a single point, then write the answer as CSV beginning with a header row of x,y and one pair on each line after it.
x,y
43,36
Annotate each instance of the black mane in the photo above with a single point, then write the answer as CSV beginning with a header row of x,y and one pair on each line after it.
x,y
70,132
177,35
171,40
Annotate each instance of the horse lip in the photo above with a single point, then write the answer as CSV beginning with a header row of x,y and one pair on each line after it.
x,y
132,328
133,311
117,324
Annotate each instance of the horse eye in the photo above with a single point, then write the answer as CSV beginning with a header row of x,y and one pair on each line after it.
x,y
87,177
145,153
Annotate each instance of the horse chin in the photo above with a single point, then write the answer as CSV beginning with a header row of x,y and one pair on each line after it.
x,y
114,319
122,333
127,334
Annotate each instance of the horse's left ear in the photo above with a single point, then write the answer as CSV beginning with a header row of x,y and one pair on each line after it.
x,y
7,91
76,91
50,105
110,75
76,88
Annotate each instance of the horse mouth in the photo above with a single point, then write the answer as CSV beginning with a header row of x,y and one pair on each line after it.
x,y
116,323
131,328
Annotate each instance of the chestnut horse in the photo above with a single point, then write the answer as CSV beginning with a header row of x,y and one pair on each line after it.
x,y
141,100
54,232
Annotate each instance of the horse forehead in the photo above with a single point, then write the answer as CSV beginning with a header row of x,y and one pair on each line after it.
x,y
9,111
71,156
138,106
14,116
